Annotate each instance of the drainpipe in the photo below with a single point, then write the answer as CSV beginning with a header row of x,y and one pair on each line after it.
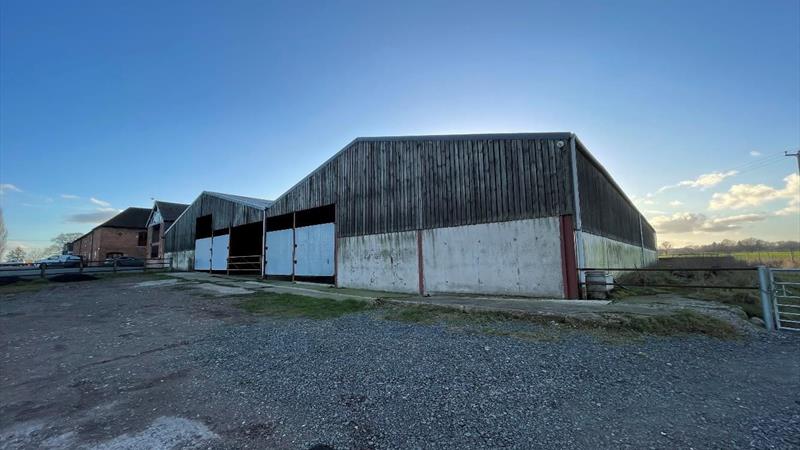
x,y
579,250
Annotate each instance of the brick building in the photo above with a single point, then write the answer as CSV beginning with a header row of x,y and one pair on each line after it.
x,y
161,217
122,235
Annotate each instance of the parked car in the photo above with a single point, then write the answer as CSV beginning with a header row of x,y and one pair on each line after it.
x,y
124,261
58,261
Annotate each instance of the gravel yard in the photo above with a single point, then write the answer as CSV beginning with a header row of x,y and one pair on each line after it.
x,y
111,364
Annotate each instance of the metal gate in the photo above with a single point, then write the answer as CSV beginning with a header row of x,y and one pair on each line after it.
x,y
785,290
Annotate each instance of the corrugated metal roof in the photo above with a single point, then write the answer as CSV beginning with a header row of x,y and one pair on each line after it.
x,y
248,201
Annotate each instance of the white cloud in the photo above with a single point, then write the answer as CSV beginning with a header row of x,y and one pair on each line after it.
x,y
675,203
101,203
704,181
755,153
69,197
700,223
8,187
747,195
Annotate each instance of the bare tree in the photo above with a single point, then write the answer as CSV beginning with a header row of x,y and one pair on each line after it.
x,y
57,245
666,246
3,234
16,255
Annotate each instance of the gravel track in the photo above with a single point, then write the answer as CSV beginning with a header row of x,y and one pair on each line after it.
x,y
104,364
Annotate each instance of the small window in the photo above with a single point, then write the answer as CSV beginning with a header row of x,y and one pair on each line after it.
x,y
142,239
113,255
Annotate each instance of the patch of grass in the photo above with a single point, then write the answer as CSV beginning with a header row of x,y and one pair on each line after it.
x,y
291,305
426,314
24,285
746,299
682,322
618,327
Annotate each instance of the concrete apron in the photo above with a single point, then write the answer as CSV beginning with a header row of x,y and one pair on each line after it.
x,y
223,284
532,307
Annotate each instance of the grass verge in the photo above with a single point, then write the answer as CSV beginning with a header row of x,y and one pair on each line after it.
x,y
24,285
291,305
620,325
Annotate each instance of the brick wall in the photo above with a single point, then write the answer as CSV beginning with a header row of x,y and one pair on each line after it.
x,y
102,241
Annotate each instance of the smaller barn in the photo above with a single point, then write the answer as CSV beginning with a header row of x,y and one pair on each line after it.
x,y
162,216
220,233
122,235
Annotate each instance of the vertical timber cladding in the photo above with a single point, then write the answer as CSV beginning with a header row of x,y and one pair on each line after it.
x,y
233,217
615,233
384,187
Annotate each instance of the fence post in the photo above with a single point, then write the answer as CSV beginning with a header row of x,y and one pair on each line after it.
x,y
765,290
80,265
41,270
115,265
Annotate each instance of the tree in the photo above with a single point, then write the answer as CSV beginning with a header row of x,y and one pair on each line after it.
x,y
16,255
57,245
3,234
666,246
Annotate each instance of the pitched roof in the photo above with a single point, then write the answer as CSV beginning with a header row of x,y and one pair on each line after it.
x,y
253,202
170,211
129,218
248,201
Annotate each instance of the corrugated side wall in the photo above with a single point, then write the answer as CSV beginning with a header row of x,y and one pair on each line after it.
x,y
615,234
382,186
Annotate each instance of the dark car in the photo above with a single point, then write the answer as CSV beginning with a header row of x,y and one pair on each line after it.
x,y
124,261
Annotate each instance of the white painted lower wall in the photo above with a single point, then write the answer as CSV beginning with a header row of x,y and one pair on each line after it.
x,y
181,261
521,257
603,252
386,262
508,258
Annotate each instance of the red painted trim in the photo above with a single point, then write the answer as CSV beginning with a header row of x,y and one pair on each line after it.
x,y
420,263
569,268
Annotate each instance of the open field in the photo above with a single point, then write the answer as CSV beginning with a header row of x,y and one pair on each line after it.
x,y
149,362
769,258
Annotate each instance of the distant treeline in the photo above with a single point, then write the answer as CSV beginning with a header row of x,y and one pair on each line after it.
x,y
729,246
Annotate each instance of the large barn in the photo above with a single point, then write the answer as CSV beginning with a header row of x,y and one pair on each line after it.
x,y
496,214
511,214
218,232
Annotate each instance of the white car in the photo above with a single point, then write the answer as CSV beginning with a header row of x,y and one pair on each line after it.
x,y
58,261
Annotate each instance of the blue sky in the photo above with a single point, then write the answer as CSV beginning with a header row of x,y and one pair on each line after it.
x,y
122,102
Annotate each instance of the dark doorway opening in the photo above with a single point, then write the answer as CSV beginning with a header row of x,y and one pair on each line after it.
x,y
203,227
245,251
